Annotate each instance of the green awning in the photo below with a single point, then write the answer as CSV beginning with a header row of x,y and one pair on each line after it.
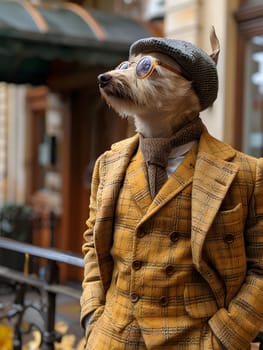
x,y
33,37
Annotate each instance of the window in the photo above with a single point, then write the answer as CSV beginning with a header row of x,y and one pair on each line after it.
x,y
253,98
249,85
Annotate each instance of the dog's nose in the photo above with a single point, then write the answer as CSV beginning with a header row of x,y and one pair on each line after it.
x,y
104,79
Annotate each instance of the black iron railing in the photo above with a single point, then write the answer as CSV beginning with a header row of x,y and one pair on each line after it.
x,y
47,289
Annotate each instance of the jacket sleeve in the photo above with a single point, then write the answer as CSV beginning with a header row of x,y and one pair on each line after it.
x,y
237,326
93,295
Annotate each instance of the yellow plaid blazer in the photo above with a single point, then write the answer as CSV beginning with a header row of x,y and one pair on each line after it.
x,y
227,202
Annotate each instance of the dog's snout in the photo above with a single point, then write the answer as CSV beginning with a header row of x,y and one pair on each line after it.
x,y
104,79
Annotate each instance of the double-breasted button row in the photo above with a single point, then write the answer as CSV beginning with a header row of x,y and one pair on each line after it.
x,y
163,301
174,236
137,264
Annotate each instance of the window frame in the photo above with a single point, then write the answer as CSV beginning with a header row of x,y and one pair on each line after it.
x,y
249,19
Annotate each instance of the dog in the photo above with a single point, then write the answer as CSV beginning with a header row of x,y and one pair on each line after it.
x,y
173,246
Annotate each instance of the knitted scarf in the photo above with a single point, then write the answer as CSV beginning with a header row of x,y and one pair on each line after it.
x,y
156,152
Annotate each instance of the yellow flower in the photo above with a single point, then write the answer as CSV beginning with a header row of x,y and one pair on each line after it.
x,y
6,336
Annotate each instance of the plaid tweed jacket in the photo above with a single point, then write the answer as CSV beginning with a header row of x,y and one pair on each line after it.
x,y
227,201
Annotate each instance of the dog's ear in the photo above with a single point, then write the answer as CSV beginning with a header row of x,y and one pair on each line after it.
x,y
214,45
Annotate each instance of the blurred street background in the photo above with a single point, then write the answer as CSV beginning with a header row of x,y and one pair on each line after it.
x,y
54,124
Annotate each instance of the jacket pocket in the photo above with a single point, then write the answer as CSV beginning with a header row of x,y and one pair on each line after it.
x,y
230,218
224,247
199,300
225,238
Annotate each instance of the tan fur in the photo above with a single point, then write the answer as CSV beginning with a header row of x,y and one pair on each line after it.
x,y
159,105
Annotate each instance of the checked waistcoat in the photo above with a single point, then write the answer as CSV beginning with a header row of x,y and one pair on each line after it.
x,y
148,305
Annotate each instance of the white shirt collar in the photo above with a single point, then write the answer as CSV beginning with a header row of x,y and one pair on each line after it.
x,y
181,150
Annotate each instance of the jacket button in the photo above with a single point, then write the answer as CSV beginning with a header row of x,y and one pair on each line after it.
x,y
141,234
136,264
134,297
163,301
229,238
174,236
169,270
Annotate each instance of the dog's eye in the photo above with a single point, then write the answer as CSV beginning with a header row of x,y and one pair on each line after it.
x,y
124,65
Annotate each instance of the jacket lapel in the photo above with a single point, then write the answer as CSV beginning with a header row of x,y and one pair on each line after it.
x,y
113,168
137,180
212,178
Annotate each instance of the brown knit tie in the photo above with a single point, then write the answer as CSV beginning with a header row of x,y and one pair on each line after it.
x,y
157,150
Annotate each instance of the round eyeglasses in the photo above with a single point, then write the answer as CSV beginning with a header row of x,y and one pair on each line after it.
x,y
145,67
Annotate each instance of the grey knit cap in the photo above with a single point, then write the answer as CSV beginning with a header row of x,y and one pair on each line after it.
x,y
196,64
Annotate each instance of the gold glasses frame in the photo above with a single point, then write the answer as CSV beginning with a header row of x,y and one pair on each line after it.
x,y
154,63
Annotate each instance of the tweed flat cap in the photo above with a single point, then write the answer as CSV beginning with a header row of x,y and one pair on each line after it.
x,y
196,64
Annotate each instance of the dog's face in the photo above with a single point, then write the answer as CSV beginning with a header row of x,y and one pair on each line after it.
x,y
165,93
